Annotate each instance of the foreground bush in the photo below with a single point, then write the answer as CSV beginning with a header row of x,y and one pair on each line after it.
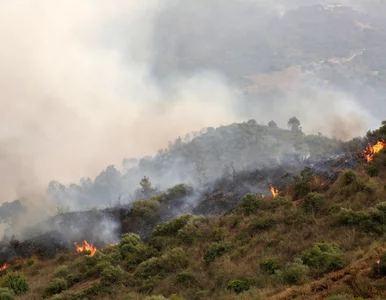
x,y
16,282
216,250
293,273
111,275
323,258
239,286
57,285
6,294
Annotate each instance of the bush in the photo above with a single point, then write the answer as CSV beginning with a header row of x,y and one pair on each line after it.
x,y
16,282
379,269
216,250
6,294
171,227
111,275
294,273
324,257
61,271
261,223
372,170
249,205
314,203
185,279
30,262
171,261
349,177
145,208
56,286
238,286
158,297
337,297
269,265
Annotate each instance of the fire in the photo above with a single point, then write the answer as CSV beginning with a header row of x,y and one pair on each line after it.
x,y
370,150
112,245
85,247
274,191
3,267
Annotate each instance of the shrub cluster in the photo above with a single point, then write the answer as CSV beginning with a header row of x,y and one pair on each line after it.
x,y
16,282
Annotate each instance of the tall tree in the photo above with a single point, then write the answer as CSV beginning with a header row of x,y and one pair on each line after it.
x,y
294,124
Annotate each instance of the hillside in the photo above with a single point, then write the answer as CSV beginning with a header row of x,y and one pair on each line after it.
x,y
196,159
318,236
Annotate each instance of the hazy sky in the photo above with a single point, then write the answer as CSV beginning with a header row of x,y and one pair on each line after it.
x,y
77,94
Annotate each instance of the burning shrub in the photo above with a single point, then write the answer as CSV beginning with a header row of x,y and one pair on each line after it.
x,y
293,273
250,204
16,282
57,285
111,275
171,227
216,250
314,203
6,294
145,208
324,257
239,286
379,267
269,265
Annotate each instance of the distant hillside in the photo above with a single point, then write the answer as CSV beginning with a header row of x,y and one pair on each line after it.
x,y
195,160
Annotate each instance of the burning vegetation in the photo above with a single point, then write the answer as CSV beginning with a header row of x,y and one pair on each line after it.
x,y
274,192
3,267
371,150
85,247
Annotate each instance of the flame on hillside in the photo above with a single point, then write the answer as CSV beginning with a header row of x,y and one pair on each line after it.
x,y
3,267
274,192
371,150
85,247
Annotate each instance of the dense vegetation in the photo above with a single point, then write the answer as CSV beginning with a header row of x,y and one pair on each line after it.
x,y
319,239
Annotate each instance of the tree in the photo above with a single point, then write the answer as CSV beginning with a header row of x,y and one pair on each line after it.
x,y
272,124
294,124
146,187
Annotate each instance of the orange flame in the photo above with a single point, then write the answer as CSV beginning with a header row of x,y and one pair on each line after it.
x,y
370,150
112,245
274,191
3,267
85,247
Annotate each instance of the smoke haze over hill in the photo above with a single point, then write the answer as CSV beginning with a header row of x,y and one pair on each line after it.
x,y
80,90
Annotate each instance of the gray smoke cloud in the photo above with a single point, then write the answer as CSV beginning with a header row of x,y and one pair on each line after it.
x,y
78,93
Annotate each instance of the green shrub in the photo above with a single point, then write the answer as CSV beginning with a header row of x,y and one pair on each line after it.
x,y
324,257
294,273
176,297
145,208
111,275
6,294
171,227
149,268
337,297
62,258
261,223
314,203
174,260
216,250
158,297
249,205
30,262
16,282
57,285
188,234
185,279
238,286
349,177
177,191
61,271
372,170
269,265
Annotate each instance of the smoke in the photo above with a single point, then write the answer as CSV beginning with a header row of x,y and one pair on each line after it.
x,y
78,90
77,93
